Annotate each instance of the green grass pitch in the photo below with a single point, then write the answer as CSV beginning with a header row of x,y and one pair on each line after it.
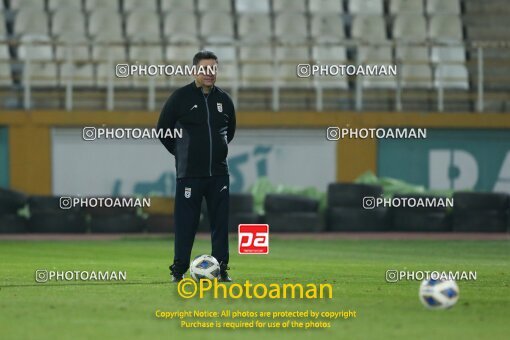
x,y
356,269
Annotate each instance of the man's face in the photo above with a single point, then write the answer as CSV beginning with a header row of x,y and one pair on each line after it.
x,y
205,76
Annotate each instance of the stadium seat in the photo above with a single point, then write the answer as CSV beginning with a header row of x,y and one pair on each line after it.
x,y
244,6
451,77
143,26
445,28
379,82
290,28
30,21
416,76
55,5
105,71
214,6
146,54
327,28
103,53
406,6
109,5
3,31
366,6
369,28
375,54
412,54
37,47
224,53
217,27
289,6
4,52
330,55
77,45
255,59
5,75
334,82
32,4
256,54
177,5
292,55
254,27
160,81
287,77
143,81
448,54
443,7
42,74
105,26
410,27
81,74
179,81
182,55
227,74
325,6
139,5
257,75
68,20
180,27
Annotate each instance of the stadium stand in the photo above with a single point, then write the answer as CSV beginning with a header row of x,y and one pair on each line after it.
x,y
327,28
215,6
23,4
55,5
180,27
142,25
248,6
325,6
112,5
360,7
217,27
254,27
135,5
178,5
406,6
443,6
435,43
105,25
289,27
289,6
410,28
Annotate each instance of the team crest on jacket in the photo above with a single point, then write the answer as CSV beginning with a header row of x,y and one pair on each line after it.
x,y
220,107
187,192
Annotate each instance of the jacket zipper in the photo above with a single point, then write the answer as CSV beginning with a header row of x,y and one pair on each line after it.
x,y
210,135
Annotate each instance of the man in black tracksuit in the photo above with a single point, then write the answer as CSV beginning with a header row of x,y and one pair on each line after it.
x,y
206,115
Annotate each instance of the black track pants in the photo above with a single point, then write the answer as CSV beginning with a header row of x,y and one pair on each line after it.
x,y
188,200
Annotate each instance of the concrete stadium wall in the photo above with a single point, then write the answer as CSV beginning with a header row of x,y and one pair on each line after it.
x,y
30,154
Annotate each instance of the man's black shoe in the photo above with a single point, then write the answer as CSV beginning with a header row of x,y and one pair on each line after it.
x,y
176,277
224,277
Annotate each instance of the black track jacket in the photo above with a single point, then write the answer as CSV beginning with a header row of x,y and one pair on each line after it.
x,y
208,123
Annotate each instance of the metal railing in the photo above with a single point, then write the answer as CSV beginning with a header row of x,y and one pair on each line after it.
x,y
237,82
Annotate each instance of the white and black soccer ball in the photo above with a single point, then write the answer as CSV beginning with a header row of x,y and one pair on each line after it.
x,y
439,294
204,267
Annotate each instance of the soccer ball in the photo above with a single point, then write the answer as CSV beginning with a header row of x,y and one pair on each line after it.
x,y
439,294
204,267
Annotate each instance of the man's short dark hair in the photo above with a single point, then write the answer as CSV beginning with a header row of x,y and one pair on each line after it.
x,y
204,55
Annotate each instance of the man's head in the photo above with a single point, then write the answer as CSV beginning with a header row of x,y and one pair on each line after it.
x,y
205,61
